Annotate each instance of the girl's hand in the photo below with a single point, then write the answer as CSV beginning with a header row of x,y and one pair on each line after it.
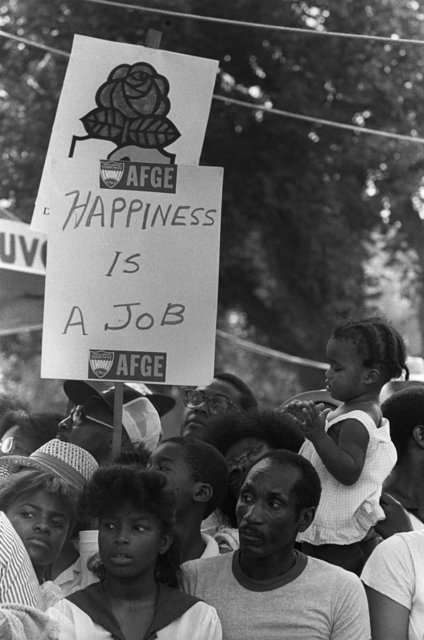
x,y
310,418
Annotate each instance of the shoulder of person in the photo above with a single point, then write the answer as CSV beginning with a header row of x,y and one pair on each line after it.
x,y
206,564
410,539
331,574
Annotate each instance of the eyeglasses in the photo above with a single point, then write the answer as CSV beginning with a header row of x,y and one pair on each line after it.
x,y
194,398
237,467
79,416
11,444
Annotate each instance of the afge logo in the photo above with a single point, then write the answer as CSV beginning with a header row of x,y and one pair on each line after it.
x,y
137,366
138,176
110,173
101,362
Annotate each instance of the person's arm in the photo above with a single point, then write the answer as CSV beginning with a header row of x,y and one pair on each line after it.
x,y
396,520
344,459
389,619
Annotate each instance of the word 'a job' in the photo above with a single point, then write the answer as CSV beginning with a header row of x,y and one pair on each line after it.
x,y
173,315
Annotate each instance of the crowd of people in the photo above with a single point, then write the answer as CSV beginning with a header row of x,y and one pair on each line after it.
x,y
306,521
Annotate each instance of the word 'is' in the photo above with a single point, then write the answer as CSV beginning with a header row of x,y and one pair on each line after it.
x,y
89,210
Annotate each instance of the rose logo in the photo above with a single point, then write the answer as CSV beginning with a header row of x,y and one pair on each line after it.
x,y
131,112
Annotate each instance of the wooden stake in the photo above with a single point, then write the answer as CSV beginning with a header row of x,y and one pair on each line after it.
x,y
153,39
118,398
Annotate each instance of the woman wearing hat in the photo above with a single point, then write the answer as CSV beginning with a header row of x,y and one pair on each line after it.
x,y
41,496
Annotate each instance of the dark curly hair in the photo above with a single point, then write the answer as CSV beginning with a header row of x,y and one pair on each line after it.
x,y
247,399
377,343
115,485
404,410
277,430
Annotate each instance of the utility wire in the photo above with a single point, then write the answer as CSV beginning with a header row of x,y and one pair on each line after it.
x,y
255,107
265,351
257,25
331,123
33,43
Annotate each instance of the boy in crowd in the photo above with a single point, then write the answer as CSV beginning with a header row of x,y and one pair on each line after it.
x,y
198,473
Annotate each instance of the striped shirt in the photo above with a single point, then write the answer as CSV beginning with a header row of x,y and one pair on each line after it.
x,y
18,582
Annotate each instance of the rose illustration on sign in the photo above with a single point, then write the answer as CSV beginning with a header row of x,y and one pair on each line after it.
x,y
131,112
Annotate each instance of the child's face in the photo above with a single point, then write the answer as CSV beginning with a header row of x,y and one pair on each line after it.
x,y
345,374
168,458
41,521
130,541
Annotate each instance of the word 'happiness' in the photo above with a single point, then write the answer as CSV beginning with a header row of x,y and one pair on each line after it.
x,y
90,210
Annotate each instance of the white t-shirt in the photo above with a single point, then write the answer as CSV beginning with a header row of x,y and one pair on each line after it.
x,y
313,601
211,546
396,569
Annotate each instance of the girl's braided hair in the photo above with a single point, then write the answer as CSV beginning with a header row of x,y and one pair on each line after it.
x,y
377,343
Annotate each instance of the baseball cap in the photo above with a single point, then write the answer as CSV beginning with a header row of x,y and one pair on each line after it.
x,y
78,391
140,418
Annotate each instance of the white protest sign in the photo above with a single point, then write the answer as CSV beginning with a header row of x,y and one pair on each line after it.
x,y
132,275
22,249
128,102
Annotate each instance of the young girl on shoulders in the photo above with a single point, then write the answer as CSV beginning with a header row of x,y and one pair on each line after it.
x,y
132,600
350,446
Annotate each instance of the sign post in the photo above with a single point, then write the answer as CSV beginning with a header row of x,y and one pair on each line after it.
x,y
153,39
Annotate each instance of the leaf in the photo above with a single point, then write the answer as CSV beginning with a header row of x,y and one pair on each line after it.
x,y
107,124
153,132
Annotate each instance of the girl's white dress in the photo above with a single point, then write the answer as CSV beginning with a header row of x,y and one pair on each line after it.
x,y
345,514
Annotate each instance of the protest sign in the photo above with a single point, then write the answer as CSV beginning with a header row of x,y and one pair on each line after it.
x,y
132,272
22,249
135,103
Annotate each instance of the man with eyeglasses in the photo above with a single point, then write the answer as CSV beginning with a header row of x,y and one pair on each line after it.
x,y
90,423
224,394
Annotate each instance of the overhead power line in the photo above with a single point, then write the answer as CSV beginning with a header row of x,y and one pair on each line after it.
x,y
329,123
250,105
265,351
33,43
394,39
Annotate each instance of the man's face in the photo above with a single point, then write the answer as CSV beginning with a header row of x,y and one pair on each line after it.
x,y
196,419
168,458
266,511
91,428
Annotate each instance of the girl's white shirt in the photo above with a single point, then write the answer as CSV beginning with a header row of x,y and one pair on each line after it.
x,y
345,514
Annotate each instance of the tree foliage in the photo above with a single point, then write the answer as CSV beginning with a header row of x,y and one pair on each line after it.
x,y
301,200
